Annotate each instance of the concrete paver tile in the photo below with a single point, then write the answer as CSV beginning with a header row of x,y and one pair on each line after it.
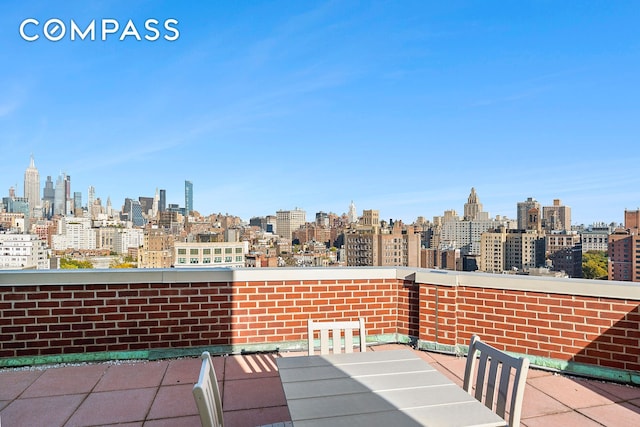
x,y
572,392
565,419
186,371
620,392
191,421
50,411
256,417
13,383
66,380
250,366
132,376
253,393
113,407
536,403
621,414
173,401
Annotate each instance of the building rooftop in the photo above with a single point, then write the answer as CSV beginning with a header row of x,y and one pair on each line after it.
x,y
158,393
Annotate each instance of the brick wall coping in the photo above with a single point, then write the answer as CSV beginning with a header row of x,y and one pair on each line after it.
x,y
584,287
552,285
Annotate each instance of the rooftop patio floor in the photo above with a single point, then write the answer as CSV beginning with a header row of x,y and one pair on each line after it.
x,y
158,393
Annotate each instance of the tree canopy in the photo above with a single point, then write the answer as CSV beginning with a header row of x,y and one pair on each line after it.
x,y
594,265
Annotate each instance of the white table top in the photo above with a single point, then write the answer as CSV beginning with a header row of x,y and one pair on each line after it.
x,y
395,388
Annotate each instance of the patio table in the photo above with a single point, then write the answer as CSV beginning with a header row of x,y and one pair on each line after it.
x,y
385,388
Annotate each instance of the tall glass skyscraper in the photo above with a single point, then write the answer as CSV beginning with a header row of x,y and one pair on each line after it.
x,y
188,197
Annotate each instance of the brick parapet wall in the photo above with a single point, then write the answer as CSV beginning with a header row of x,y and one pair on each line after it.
x,y
61,319
182,310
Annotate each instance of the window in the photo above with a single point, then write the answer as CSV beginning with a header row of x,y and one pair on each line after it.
x,y
217,251
238,259
238,250
182,251
193,251
182,260
228,259
228,250
206,260
217,259
193,260
206,251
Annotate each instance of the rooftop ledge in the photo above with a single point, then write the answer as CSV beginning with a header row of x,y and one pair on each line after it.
x,y
586,327
562,286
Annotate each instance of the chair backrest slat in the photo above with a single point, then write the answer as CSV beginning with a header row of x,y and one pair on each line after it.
x,y
496,396
207,394
336,328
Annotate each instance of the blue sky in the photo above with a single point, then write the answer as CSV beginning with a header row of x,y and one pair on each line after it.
x,y
400,106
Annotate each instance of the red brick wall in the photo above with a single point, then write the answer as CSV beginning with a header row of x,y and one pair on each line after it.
x,y
59,319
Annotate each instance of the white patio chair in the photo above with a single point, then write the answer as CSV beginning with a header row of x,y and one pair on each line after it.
x,y
494,374
336,329
207,394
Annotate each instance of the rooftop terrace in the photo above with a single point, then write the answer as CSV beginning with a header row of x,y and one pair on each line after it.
x,y
166,317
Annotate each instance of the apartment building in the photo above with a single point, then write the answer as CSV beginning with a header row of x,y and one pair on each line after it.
x,y
209,254
23,252
511,250
382,247
156,250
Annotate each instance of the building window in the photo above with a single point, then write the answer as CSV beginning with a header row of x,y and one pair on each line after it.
x,y
217,251
217,259
206,251
228,250
238,250
182,251
206,260
182,260
193,260
228,259
238,259
193,251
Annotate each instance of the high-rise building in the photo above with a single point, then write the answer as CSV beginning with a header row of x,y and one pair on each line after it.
x,y
371,246
624,255
353,215
289,221
91,196
48,198
32,188
511,250
556,217
473,207
77,202
188,197
60,198
162,203
529,215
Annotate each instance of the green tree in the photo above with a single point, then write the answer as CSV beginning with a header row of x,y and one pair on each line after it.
x,y
594,265
73,264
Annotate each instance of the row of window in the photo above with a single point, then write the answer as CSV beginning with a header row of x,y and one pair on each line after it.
x,y
207,251
207,260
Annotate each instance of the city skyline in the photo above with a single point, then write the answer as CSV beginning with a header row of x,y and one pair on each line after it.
x,y
400,107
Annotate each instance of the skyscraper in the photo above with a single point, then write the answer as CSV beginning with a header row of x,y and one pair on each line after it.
x,y
162,203
48,198
32,187
60,195
353,215
91,197
473,206
188,197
